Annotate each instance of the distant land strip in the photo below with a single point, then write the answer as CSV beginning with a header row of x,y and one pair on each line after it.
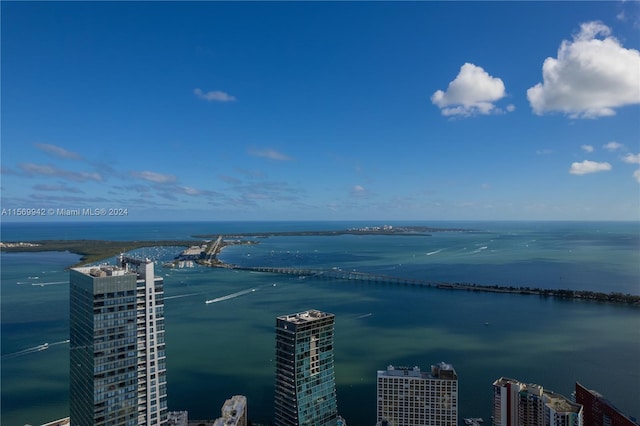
x,y
91,250
367,230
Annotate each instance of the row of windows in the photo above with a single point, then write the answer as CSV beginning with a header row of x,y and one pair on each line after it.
x,y
102,296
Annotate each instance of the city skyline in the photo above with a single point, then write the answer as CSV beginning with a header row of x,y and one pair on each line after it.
x,y
322,110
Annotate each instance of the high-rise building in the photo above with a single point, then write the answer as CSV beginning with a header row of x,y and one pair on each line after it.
x,y
408,396
519,404
117,361
598,411
305,392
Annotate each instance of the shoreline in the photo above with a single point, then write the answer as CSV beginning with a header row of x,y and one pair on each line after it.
x,y
90,251
96,250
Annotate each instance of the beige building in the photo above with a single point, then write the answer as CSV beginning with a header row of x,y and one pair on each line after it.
x,y
234,412
408,396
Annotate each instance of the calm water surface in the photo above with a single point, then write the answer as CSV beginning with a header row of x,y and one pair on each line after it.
x,y
221,349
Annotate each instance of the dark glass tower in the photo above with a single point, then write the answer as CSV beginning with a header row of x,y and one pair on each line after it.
x,y
305,391
117,360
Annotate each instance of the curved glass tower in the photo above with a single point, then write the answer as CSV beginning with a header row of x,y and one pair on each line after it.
x,y
305,391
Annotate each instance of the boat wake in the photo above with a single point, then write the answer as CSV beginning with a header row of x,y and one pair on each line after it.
x,y
51,283
34,349
434,252
230,296
364,316
183,295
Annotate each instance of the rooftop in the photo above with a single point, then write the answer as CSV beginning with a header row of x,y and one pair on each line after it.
x,y
561,404
306,316
442,371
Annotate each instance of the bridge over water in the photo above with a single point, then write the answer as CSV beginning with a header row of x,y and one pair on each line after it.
x,y
338,274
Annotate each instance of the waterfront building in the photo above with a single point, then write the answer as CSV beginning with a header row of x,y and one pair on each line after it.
x,y
234,412
305,390
408,396
519,404
117,349
598,411
178,418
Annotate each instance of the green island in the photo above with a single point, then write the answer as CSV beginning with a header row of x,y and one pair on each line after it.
x,y
204,249
91,251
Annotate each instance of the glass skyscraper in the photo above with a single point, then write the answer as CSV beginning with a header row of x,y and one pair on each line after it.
x,y
305,391
117,356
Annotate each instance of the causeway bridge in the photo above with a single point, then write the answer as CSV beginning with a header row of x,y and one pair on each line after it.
x,y
338,274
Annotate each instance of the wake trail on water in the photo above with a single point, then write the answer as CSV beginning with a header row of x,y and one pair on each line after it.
x,y
230,296
431,253
50,283
183,295
33,349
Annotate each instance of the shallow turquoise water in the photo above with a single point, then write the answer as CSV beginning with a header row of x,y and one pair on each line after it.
x,y
224,348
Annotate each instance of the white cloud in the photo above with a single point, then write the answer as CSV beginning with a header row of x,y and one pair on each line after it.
x,y
587,167
590,77
215,95
270,154
45,170
58,151
636,175
189,190
587,148
472,92
612,146
359,191
154,177
54,188
631,158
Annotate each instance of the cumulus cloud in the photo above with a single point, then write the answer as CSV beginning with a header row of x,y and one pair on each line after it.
x,y
154,177
472,92
612,146
587,167
592,75
587,148
215,95
631,158
58,151
270,154
51,171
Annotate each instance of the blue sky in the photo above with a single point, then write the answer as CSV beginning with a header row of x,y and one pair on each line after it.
x,y
322,111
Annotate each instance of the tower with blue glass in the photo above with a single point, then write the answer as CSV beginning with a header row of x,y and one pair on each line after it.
x,y
305,393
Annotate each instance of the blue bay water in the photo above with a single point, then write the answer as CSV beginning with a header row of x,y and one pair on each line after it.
x,y
227,347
